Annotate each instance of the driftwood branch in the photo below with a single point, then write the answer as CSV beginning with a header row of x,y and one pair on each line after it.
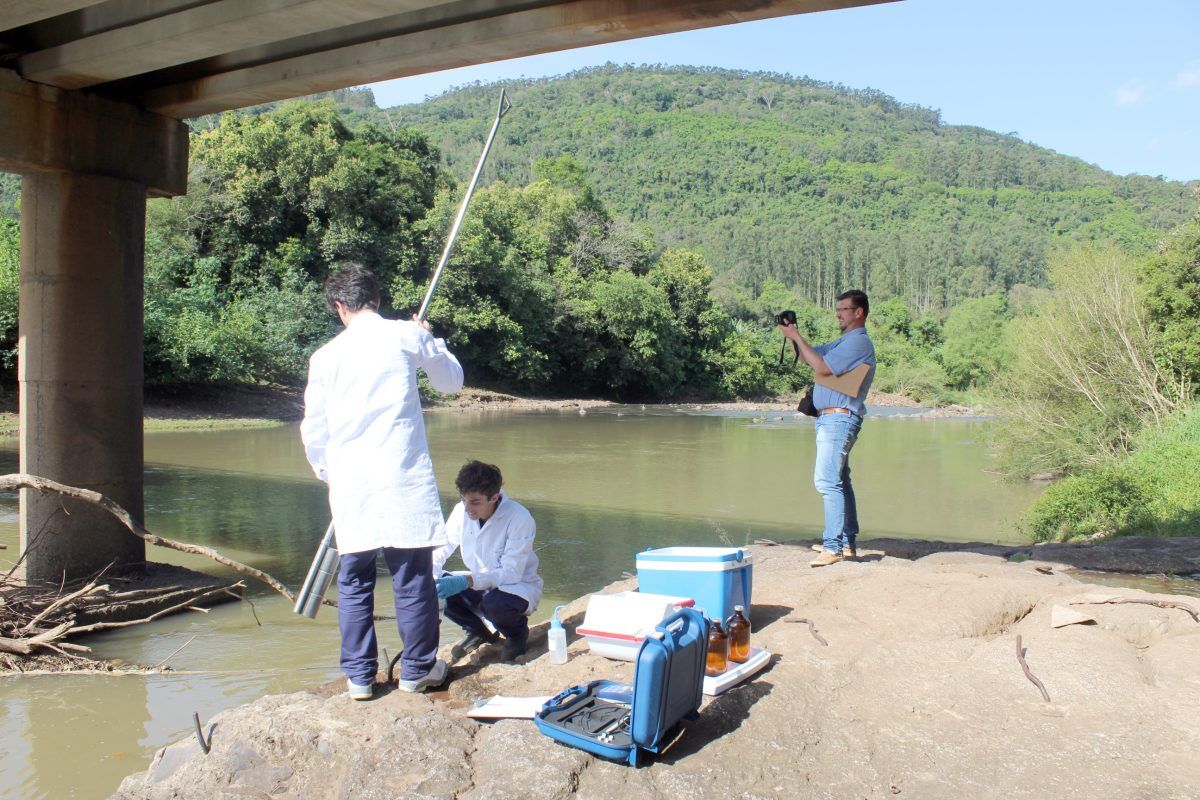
x,y
25,646
812,629
100,626
23,481
60,602
1028,674
1156,603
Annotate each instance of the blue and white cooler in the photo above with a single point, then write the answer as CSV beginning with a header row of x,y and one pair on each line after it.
x,y
716,578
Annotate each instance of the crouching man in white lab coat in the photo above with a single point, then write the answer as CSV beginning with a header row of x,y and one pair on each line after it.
x,y
364,436
502,585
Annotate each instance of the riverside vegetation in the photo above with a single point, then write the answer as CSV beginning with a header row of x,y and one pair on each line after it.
x,y
637,229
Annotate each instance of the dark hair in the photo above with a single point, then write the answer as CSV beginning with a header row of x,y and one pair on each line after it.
x,y
354,286
476,476
859,297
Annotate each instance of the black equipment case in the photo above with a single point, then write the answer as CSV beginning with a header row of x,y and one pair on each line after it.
x,y
620,722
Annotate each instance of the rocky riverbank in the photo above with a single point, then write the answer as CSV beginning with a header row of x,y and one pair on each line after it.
x,y
914,689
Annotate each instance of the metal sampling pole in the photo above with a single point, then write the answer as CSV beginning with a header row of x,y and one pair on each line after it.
x,y
325,563
322,572
501,110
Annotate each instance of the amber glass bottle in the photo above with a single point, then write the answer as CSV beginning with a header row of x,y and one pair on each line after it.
x,y
739,636
718,650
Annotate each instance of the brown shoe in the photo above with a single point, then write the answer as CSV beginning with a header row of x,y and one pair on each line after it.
x,y
847,554
825,559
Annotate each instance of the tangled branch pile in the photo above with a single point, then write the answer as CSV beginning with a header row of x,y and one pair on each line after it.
x,y
34,620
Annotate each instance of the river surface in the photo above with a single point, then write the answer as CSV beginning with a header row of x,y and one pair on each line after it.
x,y
601,486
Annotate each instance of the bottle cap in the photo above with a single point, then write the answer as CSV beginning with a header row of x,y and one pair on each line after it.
x,y
739,608
555,622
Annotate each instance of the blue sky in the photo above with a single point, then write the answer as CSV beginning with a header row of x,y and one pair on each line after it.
x,y
1114,82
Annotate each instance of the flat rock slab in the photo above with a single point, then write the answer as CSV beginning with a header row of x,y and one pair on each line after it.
x,y
918,693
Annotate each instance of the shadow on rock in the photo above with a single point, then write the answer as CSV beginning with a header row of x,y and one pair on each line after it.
x,y
720,717
763,615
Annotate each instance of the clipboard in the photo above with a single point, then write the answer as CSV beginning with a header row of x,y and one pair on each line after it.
x,y
848,383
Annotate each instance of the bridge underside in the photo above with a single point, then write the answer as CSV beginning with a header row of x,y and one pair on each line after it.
x,y
91,94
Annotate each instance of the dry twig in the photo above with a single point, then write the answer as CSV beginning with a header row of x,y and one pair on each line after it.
x,y
1157,603
1028,674
811,629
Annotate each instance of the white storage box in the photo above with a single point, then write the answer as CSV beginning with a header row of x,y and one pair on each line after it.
x,y
615,624
736,673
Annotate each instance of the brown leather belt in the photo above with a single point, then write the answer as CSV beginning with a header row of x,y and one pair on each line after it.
x,y
825,411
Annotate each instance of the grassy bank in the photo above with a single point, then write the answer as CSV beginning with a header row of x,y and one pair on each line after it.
x,y
1154,491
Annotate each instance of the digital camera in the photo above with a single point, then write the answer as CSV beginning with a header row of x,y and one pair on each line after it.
x,y
785,318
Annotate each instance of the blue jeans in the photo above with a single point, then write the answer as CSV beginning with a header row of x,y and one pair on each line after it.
x,y
416,611
836,434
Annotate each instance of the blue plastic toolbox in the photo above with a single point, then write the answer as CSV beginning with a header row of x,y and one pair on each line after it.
x,y
621,722
716,578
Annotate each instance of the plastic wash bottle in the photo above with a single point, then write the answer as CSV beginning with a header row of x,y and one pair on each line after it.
x,y
557,639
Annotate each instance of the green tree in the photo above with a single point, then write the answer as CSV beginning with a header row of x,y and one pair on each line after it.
x,y
974,349
1171,288
233,269
1083,381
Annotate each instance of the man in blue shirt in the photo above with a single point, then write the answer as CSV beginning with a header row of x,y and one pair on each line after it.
x,y
839,419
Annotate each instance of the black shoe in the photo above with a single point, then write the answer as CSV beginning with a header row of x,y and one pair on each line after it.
x,y
514,648
472,642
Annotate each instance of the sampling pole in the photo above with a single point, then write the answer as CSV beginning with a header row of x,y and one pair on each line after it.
x,y
325,563
501,110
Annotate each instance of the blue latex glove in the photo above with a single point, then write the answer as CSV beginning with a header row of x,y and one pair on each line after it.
x,y
451,585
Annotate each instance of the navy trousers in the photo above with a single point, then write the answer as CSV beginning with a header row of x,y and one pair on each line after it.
x,y
505,611
416,611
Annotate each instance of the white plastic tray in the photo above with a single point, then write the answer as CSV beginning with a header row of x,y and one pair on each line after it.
x,y
715,684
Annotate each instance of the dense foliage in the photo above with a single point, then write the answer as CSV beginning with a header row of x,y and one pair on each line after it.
x,y
637,230
1101,389
10,264
233,269
816,186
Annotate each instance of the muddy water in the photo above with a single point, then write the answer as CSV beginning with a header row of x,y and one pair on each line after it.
x,y
601,486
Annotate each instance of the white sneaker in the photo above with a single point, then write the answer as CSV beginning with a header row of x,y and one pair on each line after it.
x,y
434,678
359,692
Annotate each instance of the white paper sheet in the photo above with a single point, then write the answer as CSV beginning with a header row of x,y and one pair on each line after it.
x,y
503,707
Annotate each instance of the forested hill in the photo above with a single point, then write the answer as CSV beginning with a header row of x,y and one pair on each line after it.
x,y
816,185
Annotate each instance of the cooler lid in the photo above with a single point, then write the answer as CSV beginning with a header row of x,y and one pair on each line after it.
x,y
718,558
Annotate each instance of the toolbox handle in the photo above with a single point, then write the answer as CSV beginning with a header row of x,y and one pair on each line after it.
x,y
563,696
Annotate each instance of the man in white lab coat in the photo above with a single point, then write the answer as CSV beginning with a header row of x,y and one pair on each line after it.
x,y
364,436
495,534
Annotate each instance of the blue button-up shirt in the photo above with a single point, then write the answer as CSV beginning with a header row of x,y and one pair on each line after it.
x,y
842,355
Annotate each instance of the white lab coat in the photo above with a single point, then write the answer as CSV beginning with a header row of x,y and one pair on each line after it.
x,y
363,432
500,554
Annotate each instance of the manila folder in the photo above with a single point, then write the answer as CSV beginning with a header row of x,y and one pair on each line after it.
x,y
848,383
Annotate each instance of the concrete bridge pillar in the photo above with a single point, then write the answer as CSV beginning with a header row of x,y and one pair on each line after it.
x,y
87,165
80,367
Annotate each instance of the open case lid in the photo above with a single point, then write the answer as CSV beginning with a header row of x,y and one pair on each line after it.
x,y
668,679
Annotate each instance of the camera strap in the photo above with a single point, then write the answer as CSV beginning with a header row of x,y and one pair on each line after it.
x,y
783,349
